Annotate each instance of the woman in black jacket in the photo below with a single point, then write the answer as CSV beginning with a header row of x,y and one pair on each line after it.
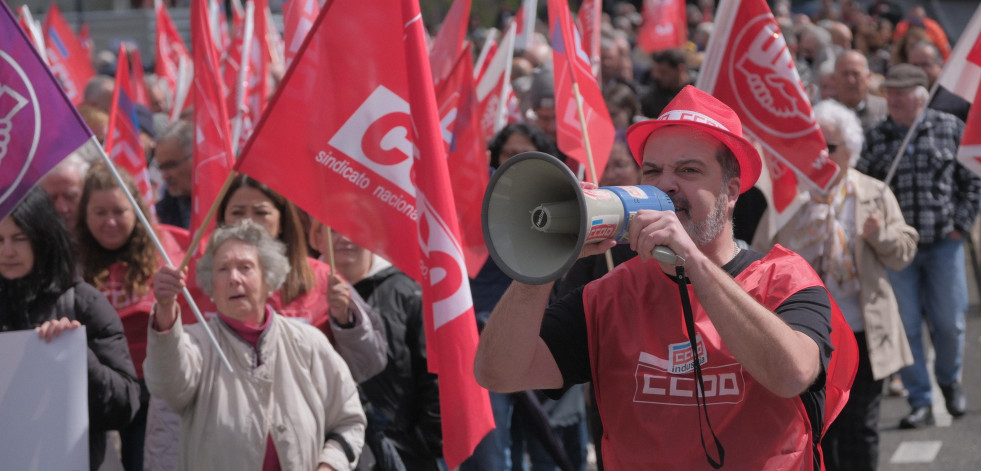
x,y
40,289
402,402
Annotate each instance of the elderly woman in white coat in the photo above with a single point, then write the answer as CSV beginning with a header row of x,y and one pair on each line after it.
x,y
289,403
850,236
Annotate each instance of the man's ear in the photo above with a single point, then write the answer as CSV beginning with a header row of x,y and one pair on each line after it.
x,y
732,188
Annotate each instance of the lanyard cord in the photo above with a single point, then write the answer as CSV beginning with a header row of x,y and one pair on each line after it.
x,y
700,394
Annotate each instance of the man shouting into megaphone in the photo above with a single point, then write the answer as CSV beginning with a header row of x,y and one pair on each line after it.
x,y
724,357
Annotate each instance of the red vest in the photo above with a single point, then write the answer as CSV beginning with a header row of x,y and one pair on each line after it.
x,y
642,373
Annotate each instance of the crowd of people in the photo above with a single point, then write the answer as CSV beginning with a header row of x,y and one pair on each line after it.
x,y
326,339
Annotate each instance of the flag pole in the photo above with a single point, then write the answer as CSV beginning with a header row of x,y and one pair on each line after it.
x,y
160,248
329,235
199,233
243,68
589,154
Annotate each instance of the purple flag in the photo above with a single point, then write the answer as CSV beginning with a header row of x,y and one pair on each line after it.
x,y
39,127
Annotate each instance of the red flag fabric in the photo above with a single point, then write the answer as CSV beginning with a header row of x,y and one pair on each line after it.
x,y
372,166
85,38
66,55
969,152
32,28
469,170
525,20
212,153
298,18
589,17
494,86
572,68
749,68
449,40
39,127
231,60
962,74
172,62
256,81
123,143
664,25
138,80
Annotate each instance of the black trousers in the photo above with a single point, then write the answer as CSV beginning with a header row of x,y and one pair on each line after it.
x,y
852,441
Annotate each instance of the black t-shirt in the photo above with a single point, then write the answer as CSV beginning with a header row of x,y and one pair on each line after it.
x,y
807,311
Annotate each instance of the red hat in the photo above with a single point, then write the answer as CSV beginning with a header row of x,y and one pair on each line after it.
x,y
695,108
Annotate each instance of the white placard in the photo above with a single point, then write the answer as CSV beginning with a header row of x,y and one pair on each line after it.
x,y
44,415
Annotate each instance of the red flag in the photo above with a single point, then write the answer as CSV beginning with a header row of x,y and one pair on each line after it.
x,y
138,81
123,143
32,28
664,25
494,86
464,141
85,38
213,158
66,55
961,75
371,166
172,62
256,75
449,40
525,20
231,59
969,152
298,18
749,68
573,71
589,21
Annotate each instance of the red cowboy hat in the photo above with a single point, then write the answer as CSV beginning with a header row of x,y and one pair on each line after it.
x,y
695,108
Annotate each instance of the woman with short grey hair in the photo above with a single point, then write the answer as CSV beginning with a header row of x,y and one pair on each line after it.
x,y
289,400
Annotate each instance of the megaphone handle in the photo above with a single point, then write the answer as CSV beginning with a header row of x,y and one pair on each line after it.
x,y
666,255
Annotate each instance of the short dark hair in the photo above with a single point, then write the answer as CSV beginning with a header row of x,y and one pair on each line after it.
x,y
673,57
534,134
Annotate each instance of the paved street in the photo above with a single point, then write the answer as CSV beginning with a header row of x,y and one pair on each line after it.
x,y
952,445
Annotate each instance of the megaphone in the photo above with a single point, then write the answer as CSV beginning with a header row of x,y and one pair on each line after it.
x,y
536,218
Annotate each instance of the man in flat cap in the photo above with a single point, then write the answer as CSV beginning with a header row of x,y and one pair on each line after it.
x,y
939,198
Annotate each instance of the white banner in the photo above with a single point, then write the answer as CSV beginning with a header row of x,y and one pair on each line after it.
x,y
44,414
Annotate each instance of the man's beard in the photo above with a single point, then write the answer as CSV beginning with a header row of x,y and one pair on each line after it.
x,y
704,232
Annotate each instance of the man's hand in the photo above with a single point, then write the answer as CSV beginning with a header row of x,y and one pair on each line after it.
x,y
871,227
651,229
52,329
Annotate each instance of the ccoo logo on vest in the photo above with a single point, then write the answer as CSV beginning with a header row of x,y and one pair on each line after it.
x,y
669,381
20,117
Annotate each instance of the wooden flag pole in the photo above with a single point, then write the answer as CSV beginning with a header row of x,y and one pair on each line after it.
x,y
329,235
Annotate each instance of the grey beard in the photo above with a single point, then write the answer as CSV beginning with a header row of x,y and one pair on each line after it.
x,y
704,232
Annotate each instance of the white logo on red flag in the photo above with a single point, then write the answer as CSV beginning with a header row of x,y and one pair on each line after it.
x,y
767,84
15,120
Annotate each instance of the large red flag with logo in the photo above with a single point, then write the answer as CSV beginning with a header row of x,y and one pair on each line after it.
x,y
39,127
212,153
66,55
449,40
664,25
748,67
123,143
467,155
573,70
172,62
589,17
372,166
